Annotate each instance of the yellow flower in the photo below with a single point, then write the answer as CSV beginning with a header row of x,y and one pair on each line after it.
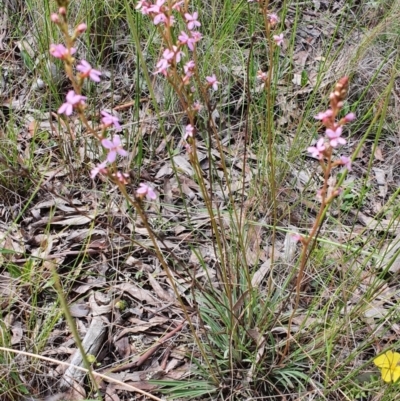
x,y
389,363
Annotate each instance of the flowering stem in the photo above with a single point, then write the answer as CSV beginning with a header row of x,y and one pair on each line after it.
x,y
165,266
270,135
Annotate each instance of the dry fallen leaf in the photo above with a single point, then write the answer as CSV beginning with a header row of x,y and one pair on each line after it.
x,y
378,154
74,221
138,293
381,180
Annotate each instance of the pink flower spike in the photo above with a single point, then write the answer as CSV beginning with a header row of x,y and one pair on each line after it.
x,y
191,20
60,51
87,71
100,168
334,136
346,161
114,147
212,81
278,39
325,114
145,190
317,151
72,99
350,117
109,120
273,19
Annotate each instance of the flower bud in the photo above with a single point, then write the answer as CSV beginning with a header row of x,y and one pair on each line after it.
x,y
350,117
81,28
55,18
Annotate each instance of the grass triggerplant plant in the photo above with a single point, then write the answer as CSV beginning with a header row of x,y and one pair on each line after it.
x,y
280,335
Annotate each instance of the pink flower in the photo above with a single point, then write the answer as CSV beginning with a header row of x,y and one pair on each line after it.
x,y
262,75
162,67
188,148
109,119
100,168
212,81
72,99
196,36
167,58
114,148
189,131
144,6
273,19
87,71
334,136
145,190
350,117
346,161
191,20
177,54
325,114
189,66
278,39
159,18
168,55
317,151
157,8
60,51
197,106
185,39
